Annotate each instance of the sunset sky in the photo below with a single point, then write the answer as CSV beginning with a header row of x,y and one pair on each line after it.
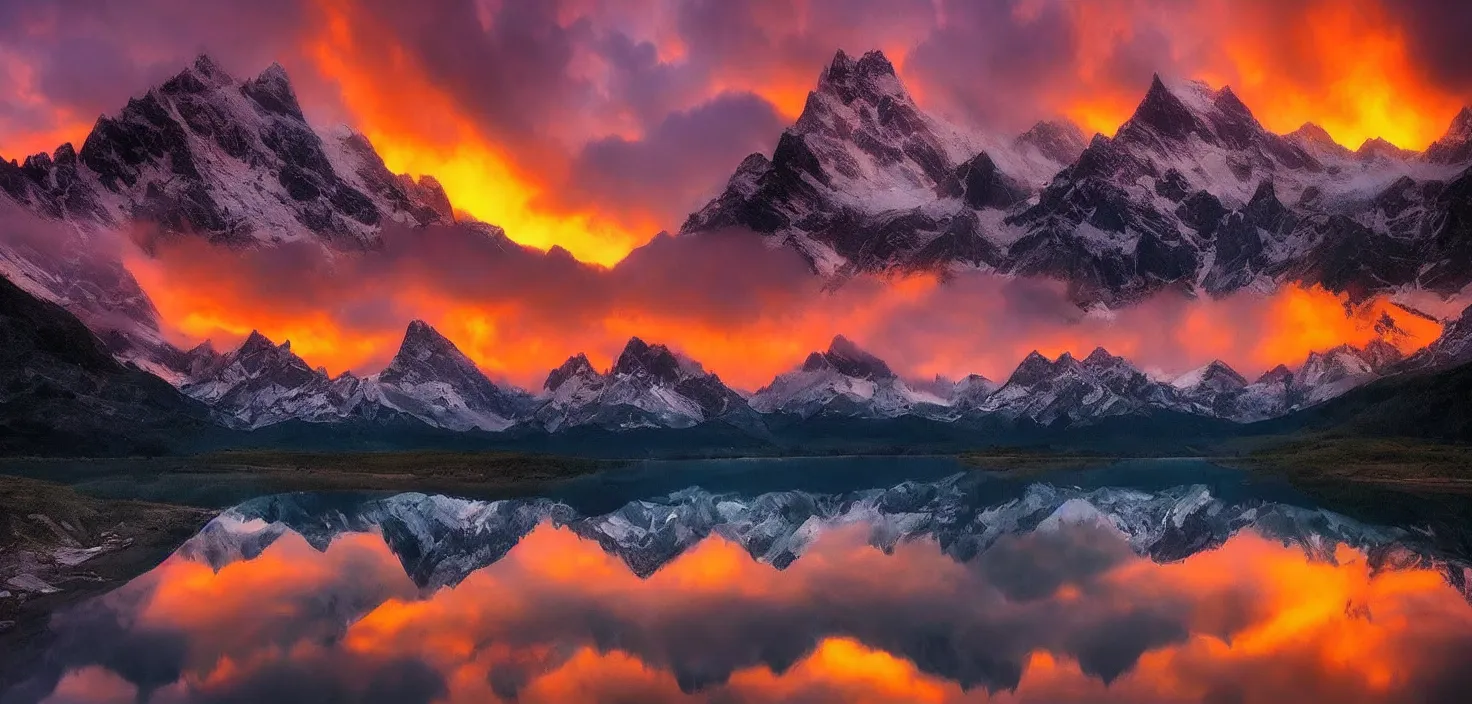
x,y
592,125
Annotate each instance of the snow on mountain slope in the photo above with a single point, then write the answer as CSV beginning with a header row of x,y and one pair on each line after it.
x,y
866,181
1454,147
261,384
1192,192
1452,348
649,386
201,154
432,380
1218,390
1067,391
845,381
236,162
441,540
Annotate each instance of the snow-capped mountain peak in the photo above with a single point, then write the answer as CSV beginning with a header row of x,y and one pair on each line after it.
x,y
871,78
236,162
848,359
1454,147
1217,375
657,362
845,380
649,386
576,367
1066,391
1379,148
432,380
261,383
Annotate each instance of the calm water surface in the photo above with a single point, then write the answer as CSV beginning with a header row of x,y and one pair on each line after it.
x,y
874,580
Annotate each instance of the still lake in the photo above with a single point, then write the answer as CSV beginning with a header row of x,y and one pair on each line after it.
x,y
797,580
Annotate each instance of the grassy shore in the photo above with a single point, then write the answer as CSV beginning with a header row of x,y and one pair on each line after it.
x,y
223,479
1406,462
1029,461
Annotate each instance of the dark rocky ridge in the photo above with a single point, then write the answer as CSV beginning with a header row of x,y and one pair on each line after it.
x,y
62,393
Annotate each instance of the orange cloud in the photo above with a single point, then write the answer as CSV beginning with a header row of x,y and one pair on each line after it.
x,y
1344,65
519,317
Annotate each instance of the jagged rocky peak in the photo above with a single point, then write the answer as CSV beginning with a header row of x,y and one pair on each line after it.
x,y
641,359
234,162
273,93
426,355
870,77
1036,367
984,185
1172,112
848,359
575,366
1454,147
1280,374
1101,358
1058,140
258,354
421,341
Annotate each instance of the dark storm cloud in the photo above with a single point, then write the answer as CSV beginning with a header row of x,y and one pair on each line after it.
x,y
509,67
984,61
674,166
1438,32
89,57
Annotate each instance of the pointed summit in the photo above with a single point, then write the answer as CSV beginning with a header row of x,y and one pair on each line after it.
x,y
1280,374
1317,141
1312,133
272,91
575,366
871,79
1101,357
256,341
1454,147
849,359
432,380
1033,368
422,342
640,358
1166,113
1216,377
210,70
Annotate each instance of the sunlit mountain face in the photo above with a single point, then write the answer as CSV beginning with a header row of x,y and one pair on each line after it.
x,y
1126,587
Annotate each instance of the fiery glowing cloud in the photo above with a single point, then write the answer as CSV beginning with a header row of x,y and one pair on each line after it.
x,y
1346,66
509,103
745,311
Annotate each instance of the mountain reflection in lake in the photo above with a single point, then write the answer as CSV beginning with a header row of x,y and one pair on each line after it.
x,y
923,592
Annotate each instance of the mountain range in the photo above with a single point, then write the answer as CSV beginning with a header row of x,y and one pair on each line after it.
x,y
1191,193
440,540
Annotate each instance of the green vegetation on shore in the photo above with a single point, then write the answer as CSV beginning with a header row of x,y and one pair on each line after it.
x,y
1406,461
224,479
